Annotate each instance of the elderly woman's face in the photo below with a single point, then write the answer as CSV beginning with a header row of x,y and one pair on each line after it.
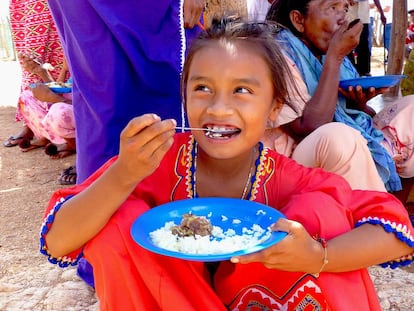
x,y
323,18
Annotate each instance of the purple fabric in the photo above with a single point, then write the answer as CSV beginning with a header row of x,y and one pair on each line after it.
x,y
125,59
85,272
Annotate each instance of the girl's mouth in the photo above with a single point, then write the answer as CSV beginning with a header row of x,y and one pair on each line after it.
x,y
221,132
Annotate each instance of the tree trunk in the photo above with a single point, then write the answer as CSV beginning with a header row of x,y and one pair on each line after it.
x,y
397,45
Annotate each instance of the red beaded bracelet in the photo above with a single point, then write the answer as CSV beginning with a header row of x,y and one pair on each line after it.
x,y
325,255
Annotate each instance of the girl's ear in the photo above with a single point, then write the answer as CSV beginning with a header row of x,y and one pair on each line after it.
x,y
275,110
297,20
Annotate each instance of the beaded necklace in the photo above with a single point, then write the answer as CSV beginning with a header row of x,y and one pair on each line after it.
x,y
251,178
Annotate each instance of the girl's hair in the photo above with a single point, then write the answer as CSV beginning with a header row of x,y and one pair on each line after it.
x,y
279,12
261,36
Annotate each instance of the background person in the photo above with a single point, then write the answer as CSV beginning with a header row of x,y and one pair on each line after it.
x,y
362,58
316,39
35,36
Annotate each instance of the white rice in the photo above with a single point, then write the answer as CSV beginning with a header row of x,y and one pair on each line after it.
x,y
218,243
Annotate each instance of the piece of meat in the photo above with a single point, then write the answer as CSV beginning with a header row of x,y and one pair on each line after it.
x,y
192,225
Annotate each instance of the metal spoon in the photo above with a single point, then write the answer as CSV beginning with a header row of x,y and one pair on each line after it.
x,y
204,129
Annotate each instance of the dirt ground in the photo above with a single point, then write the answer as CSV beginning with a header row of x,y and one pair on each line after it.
x,y
29,282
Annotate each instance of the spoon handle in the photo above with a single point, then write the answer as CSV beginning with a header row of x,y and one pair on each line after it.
x,y
190,128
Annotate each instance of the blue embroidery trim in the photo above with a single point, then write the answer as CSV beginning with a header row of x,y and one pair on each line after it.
x,y
400,231
64,261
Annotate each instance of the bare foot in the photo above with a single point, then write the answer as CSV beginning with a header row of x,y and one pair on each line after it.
x,y
27,145
59,151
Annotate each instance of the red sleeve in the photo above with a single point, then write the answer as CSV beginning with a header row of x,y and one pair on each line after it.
x,y
58,198
326,205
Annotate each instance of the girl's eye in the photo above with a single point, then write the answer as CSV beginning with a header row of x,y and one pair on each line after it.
x,y
201,88
242,90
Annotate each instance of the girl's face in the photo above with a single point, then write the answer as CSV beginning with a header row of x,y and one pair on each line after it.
x,y
323,19
229,87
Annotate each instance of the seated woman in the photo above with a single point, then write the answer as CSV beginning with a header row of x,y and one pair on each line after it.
x,y
334,129
35,37
49,116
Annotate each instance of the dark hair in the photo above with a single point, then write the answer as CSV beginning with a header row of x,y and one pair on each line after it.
x,y
279,12
261,36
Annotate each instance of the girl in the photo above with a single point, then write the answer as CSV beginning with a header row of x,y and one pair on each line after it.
x,y
234,79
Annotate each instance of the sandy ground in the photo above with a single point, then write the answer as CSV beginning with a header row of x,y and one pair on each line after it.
x,y
27,280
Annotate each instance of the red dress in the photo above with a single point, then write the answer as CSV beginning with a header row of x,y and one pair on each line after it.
x,y
128,277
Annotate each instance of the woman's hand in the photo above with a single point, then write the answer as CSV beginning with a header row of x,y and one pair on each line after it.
x,y
45,94
29,64
298,251
192,12
357,97
143,144
344,40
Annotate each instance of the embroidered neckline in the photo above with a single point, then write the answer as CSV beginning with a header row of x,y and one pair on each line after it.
x,y
192,168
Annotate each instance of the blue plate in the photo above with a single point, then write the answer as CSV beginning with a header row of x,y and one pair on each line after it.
x,y
61,90
376,82
57,90
214,209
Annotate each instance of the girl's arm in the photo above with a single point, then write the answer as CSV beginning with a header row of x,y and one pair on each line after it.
x,y
144,142
359,248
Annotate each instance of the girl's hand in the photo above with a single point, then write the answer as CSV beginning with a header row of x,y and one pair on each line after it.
x,y
192,12
357,97
298,251
143,143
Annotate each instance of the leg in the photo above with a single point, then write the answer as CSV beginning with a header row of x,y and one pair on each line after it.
x,y
14,140
128,277
346,154
59,122
364,54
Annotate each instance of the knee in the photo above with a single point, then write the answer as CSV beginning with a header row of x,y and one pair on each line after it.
x,y
60,115
59,110
338,139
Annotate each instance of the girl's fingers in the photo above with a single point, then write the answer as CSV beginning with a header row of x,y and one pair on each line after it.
x,y
290,227
156,142
137,124
147,134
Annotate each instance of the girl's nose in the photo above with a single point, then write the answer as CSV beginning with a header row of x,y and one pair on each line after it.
x,y
220,105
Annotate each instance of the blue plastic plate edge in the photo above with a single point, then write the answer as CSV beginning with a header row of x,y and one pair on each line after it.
x,y
58,90
147,244
392,81
61,90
